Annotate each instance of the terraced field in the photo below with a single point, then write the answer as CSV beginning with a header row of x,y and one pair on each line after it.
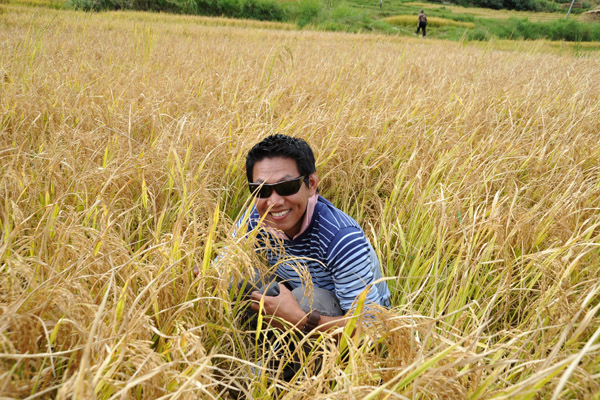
x,y
489,13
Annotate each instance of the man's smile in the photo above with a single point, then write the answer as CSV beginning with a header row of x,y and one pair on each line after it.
x,y
280,214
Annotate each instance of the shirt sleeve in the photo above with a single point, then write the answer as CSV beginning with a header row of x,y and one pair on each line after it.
x,y
351,267
251,217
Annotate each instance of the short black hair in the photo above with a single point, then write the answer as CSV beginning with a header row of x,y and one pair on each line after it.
x,y
282,146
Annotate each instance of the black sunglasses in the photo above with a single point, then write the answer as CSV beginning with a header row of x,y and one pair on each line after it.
x,y
283,188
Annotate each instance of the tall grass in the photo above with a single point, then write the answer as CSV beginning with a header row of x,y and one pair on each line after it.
x,y
474,172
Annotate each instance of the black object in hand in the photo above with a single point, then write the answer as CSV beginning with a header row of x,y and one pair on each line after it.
x,y
270,289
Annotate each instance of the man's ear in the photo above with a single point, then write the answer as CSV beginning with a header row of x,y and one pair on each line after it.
x,y
313,183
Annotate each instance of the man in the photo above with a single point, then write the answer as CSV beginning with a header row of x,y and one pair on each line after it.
x,y
319,240
422,22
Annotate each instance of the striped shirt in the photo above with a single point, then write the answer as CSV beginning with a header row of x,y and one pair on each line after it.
x,y
333,250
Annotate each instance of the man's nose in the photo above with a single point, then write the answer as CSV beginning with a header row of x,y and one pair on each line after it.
x,y
275,199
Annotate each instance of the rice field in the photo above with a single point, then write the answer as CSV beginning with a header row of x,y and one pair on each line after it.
x,y
474,171
409,20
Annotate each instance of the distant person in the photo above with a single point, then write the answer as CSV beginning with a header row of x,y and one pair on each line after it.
x,y
422,22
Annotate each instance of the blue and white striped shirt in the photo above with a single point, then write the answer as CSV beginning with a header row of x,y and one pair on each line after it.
x,y
334,251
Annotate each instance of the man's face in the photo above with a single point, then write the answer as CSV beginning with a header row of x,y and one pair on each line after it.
x,y
283,212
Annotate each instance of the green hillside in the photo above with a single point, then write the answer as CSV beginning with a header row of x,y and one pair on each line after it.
x,y
481,23
395,17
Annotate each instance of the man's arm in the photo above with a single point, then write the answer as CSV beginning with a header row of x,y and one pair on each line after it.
x,y
285,306
352,267
352,270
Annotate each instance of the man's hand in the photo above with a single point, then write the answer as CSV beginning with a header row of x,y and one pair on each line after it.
x,y
283,306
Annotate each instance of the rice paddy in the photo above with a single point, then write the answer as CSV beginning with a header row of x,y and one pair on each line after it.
x,y
409,20
474,171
